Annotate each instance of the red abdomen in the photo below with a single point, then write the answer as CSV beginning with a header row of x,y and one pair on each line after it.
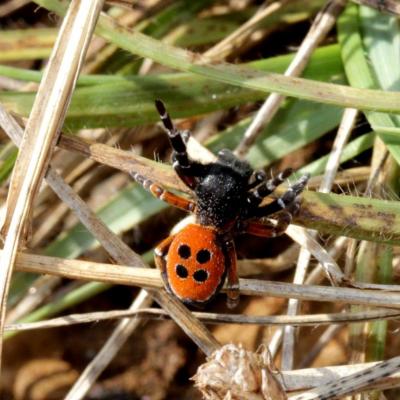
x,y
196,264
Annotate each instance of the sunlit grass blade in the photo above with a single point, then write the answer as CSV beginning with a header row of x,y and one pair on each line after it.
x,y
26,44
362,218
351,150
156,26
381,40
377,345
359,73
129,101
244,77
297,124
8,155
325,64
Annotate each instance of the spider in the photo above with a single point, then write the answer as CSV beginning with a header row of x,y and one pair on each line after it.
x,y
228,193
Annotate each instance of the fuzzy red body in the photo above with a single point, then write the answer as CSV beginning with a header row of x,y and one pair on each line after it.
x,y
196,264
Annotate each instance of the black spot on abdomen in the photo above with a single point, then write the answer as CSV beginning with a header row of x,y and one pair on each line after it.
x,y
201,275
184,251
203,256
181,271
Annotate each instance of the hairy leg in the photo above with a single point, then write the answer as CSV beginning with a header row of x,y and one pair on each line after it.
x,y
162,194
186,169
286,201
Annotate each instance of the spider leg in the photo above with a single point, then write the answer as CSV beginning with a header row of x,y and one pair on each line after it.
x,y
287,201
232,276
267,187
256,178
186,168
267,228
159,257
162,194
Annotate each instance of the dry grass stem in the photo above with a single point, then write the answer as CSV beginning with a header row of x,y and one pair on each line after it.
x,y
11,6
42,130
345,128
283,262
388,6
370,377
38,291
329,382
317,275
304,239
210,318
150,278
107,353
343,178
321,26
123,160
288,339
330,332
10,84
222,49
301,379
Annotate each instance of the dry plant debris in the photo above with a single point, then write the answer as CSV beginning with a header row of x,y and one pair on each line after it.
x,y
311,85
235,373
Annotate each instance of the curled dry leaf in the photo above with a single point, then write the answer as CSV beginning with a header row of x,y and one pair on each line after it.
x,y
234,373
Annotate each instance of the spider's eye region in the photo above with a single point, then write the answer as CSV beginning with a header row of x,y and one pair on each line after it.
x,y
181,271
201,275
184,251
203,256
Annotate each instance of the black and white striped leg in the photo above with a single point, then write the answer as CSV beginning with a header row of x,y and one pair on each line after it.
x,y
162,194
287,201
267,187
256,178
186,168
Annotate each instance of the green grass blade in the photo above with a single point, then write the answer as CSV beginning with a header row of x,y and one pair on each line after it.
x,y
8,155
130,101
361,218
359,73
173,57
127,209
130,207
77,296
378,330
209,30
297,124
324,65
157,26
26,44
351,150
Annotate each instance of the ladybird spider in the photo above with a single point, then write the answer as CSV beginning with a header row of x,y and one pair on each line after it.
x,y
228,194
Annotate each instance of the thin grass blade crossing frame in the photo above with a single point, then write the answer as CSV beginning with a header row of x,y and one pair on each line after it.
x,y
42,131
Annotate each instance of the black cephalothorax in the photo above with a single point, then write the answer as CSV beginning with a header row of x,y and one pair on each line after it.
x,y
221,192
